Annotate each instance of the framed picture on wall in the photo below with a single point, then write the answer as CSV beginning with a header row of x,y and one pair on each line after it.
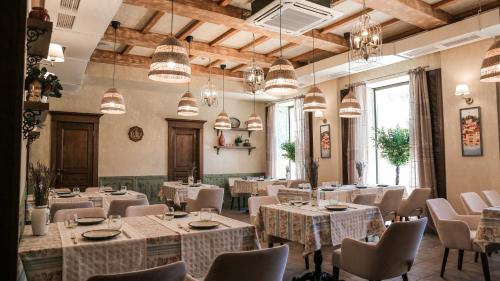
x,y
325,141
470,127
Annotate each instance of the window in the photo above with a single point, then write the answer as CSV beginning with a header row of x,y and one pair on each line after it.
x,y
388,107
284,124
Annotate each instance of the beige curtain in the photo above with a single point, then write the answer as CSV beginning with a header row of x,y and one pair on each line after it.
x,y
421,150
301,139
270,143
357,137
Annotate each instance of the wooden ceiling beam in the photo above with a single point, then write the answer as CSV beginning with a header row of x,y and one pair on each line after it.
x,y
277,51
415,12
224,36
389,22
188,29
152,21
235,17
344,21
215,63
257,42
101,56
152,40
442,3
127,50
239,67
305,57
224,3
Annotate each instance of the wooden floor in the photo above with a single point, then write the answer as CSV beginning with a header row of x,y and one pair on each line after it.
x,y
426,267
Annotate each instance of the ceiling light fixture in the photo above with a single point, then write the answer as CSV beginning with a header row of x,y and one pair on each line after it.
x,y
170,62
112,102
253,76
222,122
366,39
56,53
188,105
209,95
314,100
349,107
281,79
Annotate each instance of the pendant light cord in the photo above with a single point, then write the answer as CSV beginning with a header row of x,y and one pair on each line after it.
x,y
189,55
114,57
209,68
172,19
253,48
223,88
314,72
254,103
281,46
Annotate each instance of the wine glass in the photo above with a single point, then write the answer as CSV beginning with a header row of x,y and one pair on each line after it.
x,y
76,190
115,222
70,220
123,188
206,214
169,214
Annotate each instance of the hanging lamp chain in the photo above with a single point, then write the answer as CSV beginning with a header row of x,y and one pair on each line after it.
x,y
253,48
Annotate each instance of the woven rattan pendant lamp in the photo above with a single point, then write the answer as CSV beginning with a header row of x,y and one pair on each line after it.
x,y
490,68
281,79
349,107
188,105
112,102
222,122
315,99
170,62
254,121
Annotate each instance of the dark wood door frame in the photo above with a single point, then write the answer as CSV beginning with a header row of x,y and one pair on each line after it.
x,y
184,123
91,118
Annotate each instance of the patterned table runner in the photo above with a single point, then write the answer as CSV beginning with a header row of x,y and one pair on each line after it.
x,y
488,230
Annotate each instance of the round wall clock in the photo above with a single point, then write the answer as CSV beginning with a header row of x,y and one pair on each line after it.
x,y
135,133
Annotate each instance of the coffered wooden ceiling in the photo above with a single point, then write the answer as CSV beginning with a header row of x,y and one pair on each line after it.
x,y
221,33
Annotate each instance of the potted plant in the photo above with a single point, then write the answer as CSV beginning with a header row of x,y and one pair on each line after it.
x,y
394,145
41,85
40,179
288,148
238,140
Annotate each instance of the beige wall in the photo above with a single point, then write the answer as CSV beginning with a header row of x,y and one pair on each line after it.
x,y
148,104
458,65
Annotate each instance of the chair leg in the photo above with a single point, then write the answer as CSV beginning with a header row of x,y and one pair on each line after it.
x,y
445,259
270,245
476,256
232,203
336,273
306,261
460,259
239,201
405,277
486,268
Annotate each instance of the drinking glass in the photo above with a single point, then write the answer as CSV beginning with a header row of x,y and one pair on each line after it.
x,y
180,182
123,188
169,214
206,214
198,181
70,220
115,222
76,190
297,201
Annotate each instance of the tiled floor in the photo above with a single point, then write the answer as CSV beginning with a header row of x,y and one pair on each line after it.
x,y
426,267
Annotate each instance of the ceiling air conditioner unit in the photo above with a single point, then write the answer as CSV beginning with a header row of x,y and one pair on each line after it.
x,y
297,16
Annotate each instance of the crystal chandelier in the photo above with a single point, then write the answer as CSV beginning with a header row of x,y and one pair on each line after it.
x,y
349,107
188,105
281,79
112,101
209,95
314,100
222,122
170,61
253,76
366,39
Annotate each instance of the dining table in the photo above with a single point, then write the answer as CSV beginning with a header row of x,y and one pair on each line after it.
x,y
144,242
178,192
314,226
253,186
488,230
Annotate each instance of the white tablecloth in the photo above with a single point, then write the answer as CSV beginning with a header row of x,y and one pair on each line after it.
x,y
173,190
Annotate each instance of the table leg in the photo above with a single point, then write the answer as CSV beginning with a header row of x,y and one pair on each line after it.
x,y
317,274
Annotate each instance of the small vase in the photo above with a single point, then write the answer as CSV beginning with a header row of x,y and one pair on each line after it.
x,y
222,140
40,220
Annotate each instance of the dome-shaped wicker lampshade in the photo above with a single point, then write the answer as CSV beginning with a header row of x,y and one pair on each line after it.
x,y
314,100
281,79
187,105
112,102
349,107
170,62
490,68
222,122
254,123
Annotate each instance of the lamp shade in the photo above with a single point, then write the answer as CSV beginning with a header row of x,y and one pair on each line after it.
x,y
112,102
253,79
314,100
281,79
170,62
349,107
56,53
490,68
254,123
187,105
462,90
319,114
222,122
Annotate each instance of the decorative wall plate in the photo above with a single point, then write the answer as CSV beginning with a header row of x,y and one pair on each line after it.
x,y
235,122
135,133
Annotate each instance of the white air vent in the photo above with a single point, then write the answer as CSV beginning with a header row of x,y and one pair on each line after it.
x,y
71,5
363,67
420,52
297,16
461,41
65,21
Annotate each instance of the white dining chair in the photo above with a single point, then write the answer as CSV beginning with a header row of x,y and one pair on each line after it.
x,y
234,195
119,206
207,198
492,197
255,202
54,207
80,212
389,204
472,202
414,205
273,190
171,272
145,210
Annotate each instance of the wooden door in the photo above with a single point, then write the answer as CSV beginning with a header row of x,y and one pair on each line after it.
x,y
74,144
185,148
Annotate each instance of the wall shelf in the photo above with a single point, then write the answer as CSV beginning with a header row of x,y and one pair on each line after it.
x,y
249,148
38,35
236,130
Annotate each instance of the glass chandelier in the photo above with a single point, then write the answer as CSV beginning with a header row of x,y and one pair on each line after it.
x,y
209,95
281,79
349,107
222,122
366,39
170,62
188,105
112,102
253,76
314,100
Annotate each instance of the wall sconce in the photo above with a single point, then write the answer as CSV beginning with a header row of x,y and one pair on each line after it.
x,y
319,115
463,90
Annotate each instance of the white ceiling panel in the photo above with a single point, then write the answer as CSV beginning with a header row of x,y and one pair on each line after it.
x,y
133,16
208,32
163,25
238,40
141,51
268,46
295,51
